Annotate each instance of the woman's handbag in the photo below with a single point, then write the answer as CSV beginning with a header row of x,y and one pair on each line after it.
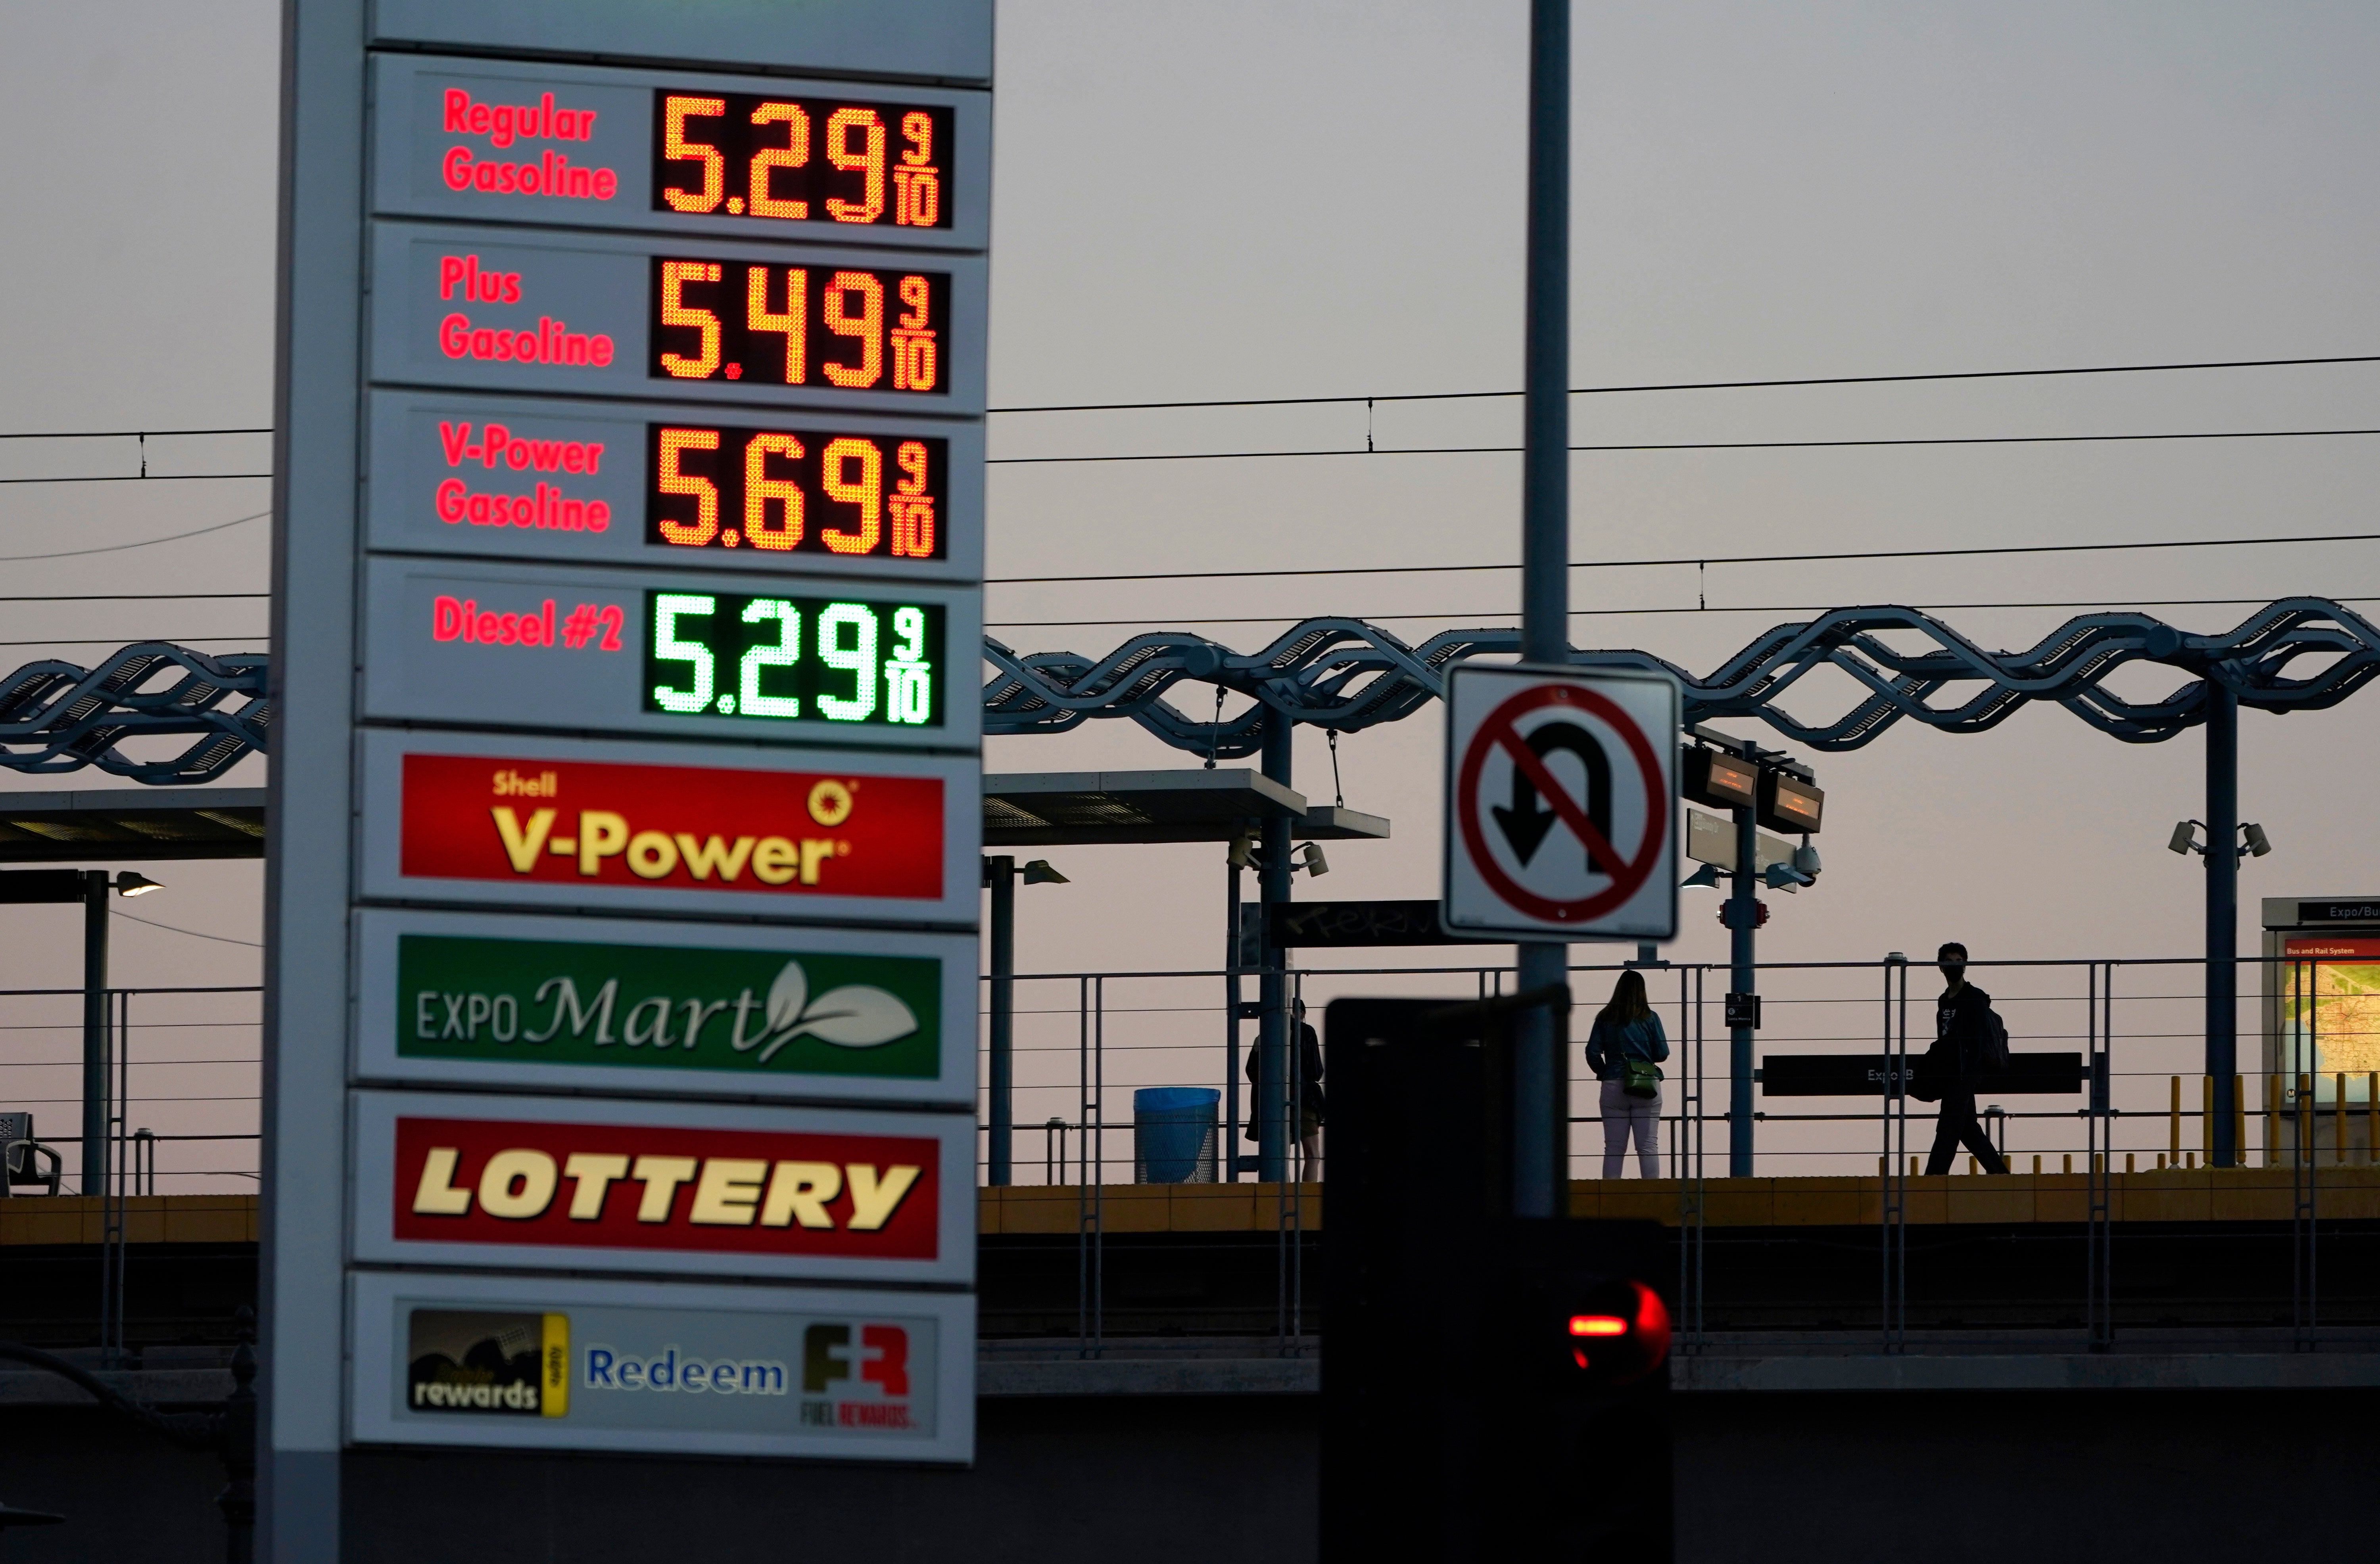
x,y
1641,1079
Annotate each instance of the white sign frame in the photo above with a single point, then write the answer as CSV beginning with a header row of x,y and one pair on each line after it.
x,y
379,760
373,1179
377,1303
378,1061
1483,894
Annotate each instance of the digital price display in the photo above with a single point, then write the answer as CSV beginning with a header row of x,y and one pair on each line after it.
x,y
775,159
796,492
854,328
839,659
591,146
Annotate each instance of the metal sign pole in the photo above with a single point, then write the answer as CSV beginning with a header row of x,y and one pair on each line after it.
x,y
1538,1161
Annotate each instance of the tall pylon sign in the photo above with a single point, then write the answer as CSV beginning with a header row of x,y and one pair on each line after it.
x,y
619,1088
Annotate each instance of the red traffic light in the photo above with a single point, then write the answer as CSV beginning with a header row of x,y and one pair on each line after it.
x,y
1627,1346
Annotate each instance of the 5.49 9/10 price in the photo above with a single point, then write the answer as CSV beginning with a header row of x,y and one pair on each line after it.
x,y
851,329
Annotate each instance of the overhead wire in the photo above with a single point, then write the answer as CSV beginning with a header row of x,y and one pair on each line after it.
x,y
143,543
1686,445
1150,622
1695,560
1702,385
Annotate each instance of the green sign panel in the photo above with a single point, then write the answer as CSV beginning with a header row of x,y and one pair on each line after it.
x,y
668,1007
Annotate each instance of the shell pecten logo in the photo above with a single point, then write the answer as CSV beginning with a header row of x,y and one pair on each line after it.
x,y
683,827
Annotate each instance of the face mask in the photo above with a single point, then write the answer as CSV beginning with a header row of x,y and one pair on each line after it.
x,y
1953,972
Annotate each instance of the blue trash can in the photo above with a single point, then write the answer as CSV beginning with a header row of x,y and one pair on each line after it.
x,y
1173,1132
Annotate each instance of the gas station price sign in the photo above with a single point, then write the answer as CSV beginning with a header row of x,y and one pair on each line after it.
x,y
779,659
809,491
776,159
592,146
632,316
856,329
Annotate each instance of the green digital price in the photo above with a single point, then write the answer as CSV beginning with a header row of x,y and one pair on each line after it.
x,y
818,659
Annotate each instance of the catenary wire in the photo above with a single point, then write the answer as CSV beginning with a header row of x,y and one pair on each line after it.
x,y
1692,446
1152,622
1701,386
1691,559
145,542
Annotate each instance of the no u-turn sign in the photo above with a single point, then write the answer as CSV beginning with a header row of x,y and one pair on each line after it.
x,y
1561,804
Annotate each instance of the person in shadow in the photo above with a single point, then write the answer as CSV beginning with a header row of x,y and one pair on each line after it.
x,y
1625,1050
1963,1026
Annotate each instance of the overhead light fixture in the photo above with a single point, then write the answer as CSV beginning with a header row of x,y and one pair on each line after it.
x,y
1784,876
1703,878
127,883
1315,863
1241,853
2258,842
1039,872
2184,839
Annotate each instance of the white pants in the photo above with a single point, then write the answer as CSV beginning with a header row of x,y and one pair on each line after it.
x,y
1624,1115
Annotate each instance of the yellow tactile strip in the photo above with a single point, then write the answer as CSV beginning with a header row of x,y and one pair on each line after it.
x,y
2197,1195
148,1218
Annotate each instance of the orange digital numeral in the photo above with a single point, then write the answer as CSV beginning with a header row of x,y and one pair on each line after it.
x,y
867,328
759,489
867,162
676,312
793,154
672,481
866,492
758,317
676,148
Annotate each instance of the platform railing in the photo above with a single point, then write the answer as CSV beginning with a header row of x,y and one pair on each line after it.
x,y
2138,1103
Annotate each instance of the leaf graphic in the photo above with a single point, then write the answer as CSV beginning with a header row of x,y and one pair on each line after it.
x,y
786,997
854,1016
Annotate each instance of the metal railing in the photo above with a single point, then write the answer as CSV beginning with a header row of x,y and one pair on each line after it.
x,y
2135,1029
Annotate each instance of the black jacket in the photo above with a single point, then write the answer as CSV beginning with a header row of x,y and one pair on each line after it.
x,y
1309,1076
1961,1035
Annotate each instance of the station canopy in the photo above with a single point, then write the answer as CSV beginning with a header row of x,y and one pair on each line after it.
x,y
1076,808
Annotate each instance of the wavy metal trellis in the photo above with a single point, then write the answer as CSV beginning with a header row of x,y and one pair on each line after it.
x,y
56,717
1345,674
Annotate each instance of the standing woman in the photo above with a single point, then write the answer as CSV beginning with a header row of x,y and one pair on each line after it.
x,y
1625,1050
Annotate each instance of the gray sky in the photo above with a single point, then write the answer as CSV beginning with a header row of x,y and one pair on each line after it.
x,y
1237,199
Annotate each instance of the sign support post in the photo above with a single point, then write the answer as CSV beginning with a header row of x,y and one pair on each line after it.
x,y
2223,917
1540,1115
1743,915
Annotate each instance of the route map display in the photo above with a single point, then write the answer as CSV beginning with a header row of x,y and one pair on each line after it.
x,y
625,817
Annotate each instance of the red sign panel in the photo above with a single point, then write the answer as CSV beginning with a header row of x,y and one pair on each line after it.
x,y
469,816
625,1186
2331,948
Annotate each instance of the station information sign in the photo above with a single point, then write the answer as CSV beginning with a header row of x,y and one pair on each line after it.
x,y
627,808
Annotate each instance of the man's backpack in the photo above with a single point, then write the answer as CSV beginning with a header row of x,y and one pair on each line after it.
x,y
1994,1047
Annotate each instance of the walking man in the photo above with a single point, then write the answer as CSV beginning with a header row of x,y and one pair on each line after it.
x,y
1962,1040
